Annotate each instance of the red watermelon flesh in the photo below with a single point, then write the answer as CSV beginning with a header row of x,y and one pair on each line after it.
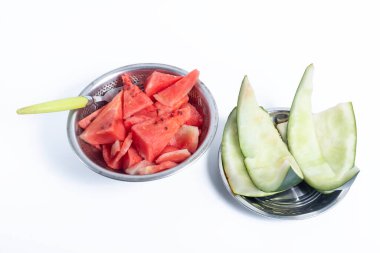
x,y
176,156
149,111
163,109
134,99
123,149
108,126
158,81
151,169
186,138
115,148
129,122
150,138
131,158
83,123
114,162
182,115
142,164
196,118
174,93
168,148
106,152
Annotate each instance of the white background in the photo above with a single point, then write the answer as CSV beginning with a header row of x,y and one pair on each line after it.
x,y
50,202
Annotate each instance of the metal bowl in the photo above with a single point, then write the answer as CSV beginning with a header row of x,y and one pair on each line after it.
x,y
200,97
299,202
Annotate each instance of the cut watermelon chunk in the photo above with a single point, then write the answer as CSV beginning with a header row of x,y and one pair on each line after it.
x,y
108,126
123,150
131,158
134,99
174,93
169,149
115,162
151,169
106,152
176,156
158,81
196,118
164,109
149,111
115,148
182,115
129,122
150,138
83,123
133,170
187,137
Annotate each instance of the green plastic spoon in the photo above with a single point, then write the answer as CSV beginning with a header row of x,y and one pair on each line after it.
x,y
68,103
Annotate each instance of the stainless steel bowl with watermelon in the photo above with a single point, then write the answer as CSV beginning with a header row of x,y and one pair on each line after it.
x,y
162,120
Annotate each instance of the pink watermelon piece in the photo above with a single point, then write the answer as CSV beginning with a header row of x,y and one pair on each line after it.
x,y
182,115
151,169
106,152
158,81
115,162
168,149
129,122
196,118
124,148
83,123
176,156
164,109
131,158
108,126
134,99
187,137
115,148
149,111
134,169
174,93
150,138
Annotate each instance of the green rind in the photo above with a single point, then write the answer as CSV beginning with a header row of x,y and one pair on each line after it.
x,y
267,157
233,162
304,144
262,176
291,178
336,133
282,128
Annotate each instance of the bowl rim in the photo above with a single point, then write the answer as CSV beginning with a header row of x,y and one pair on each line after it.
x,y
73,138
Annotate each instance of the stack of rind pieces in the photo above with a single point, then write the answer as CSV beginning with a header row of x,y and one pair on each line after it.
x,y
261,158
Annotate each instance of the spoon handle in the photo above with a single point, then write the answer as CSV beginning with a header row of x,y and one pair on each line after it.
x,y
56,105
